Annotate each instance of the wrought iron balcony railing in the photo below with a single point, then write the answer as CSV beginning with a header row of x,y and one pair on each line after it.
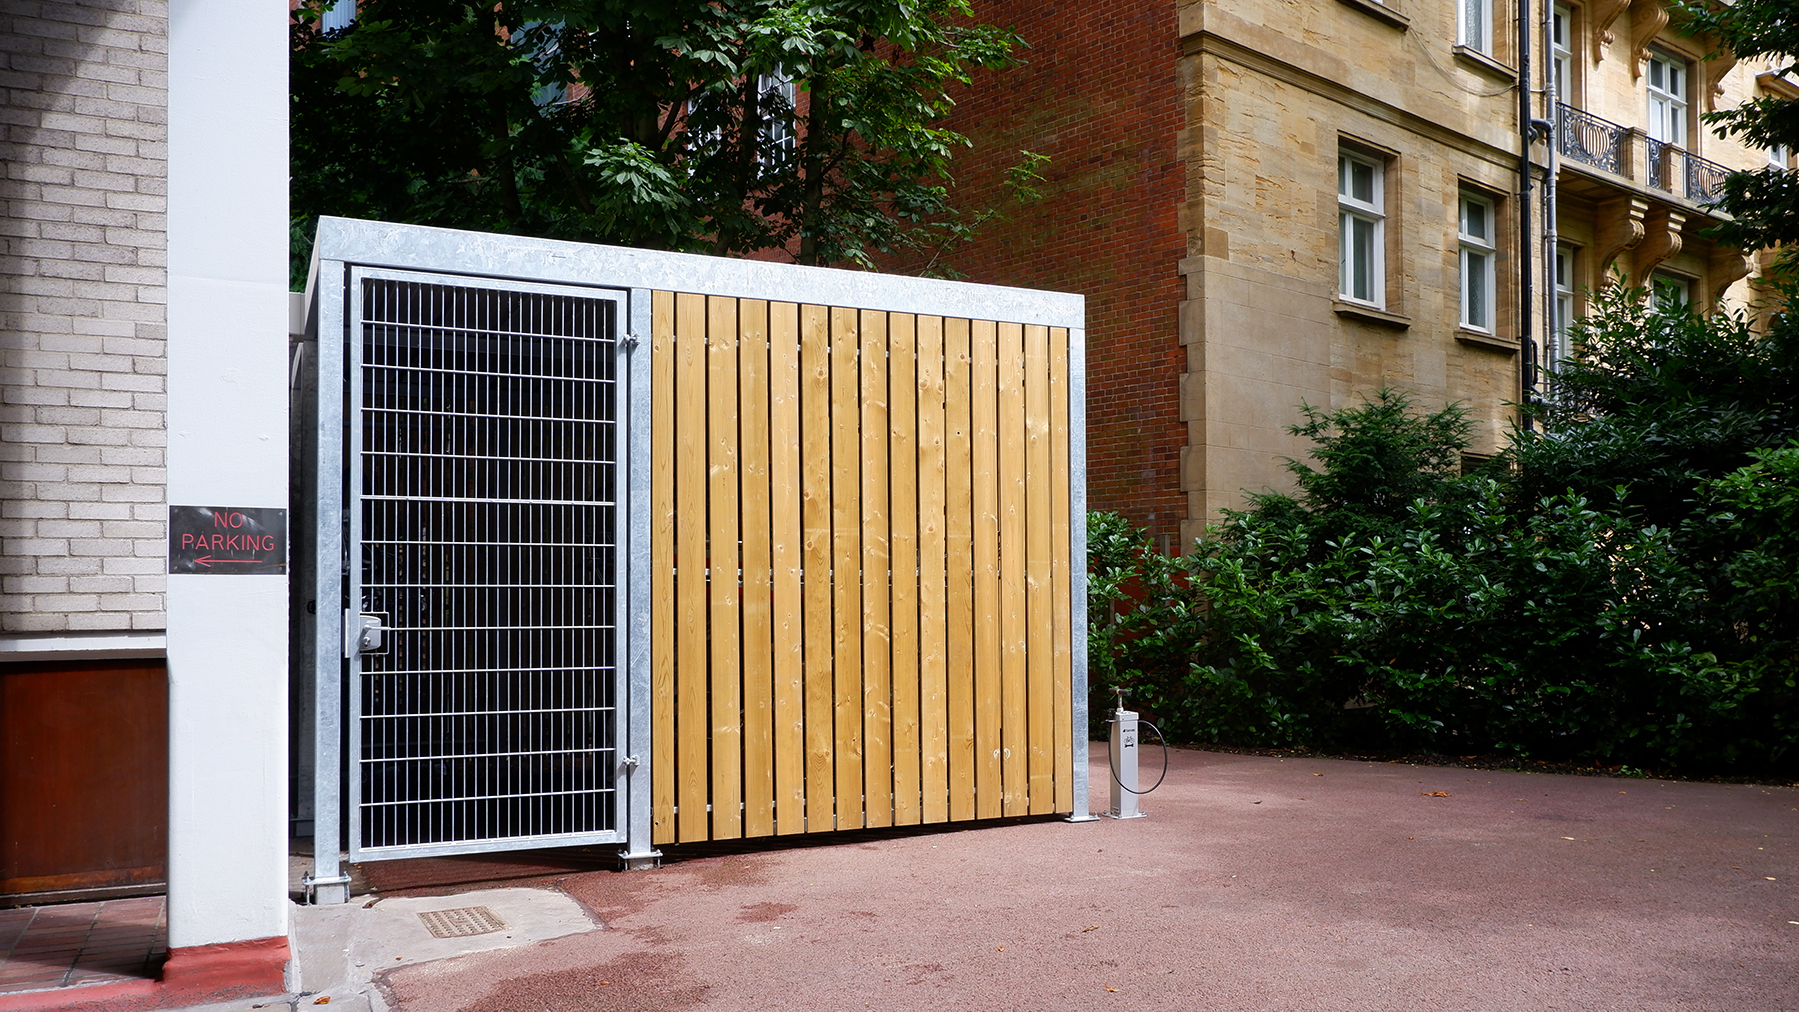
x,y
1705,180
1587,138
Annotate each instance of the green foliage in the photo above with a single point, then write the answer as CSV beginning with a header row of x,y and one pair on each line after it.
x,y
1623,588
1376,460
1143,618
1763,205
659,125
1659,399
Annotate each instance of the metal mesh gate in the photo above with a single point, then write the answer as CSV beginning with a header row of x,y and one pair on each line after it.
x,y
487,524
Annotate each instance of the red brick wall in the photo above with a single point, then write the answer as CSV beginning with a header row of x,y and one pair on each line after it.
x,y
1100,97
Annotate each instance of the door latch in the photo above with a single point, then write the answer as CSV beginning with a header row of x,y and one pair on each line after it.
x,y
364,634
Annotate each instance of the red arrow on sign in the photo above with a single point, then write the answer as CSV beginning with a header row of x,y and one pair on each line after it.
x,y
207,560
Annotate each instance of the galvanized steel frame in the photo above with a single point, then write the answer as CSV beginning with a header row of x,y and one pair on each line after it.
x,y
353,576
486,259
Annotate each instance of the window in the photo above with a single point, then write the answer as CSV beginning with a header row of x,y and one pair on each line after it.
x,y
1667,99
1474,25
1361,245
1670,290
777,104
338,16
1475,230
1562,346
1778,155
1561,56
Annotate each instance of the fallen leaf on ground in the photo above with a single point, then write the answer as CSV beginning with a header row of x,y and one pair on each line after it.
x,y
322,1000
1109,988
1093,927
1001,949
1770,878
1255,802
1567,837
1318,774
1433,794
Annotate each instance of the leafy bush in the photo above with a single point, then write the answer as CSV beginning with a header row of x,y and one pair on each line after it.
x,y
1624,588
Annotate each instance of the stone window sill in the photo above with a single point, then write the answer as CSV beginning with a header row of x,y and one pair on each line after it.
x,y
1477,60
1369,314
1484,340
1379,12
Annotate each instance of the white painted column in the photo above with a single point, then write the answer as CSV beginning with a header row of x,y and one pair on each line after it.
x,y
227,356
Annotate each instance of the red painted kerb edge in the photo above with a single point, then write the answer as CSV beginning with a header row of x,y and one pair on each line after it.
x,y
195,975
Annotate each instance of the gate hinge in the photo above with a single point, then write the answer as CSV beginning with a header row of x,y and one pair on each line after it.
x,y
628,342
629,762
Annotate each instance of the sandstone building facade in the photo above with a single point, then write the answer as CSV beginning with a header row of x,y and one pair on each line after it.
x,y
1275,203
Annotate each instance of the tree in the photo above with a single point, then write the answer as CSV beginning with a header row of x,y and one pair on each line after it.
x,y
1763,205
722,126
1375,460
1659,399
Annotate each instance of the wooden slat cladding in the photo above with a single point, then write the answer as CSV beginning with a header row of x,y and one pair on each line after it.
x,y
860,551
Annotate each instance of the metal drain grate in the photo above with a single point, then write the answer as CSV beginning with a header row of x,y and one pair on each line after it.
x,y
461,922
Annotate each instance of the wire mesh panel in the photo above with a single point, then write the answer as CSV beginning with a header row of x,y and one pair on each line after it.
x,y
487,717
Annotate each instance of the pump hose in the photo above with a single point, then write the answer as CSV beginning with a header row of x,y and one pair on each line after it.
x,y
1112,761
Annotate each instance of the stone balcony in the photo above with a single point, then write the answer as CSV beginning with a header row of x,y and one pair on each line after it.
x,y
1595,143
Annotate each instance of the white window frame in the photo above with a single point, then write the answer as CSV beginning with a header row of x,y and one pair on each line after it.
x,y
777,133
1662,285
1361,217
1477,259
1666,82
1561,344
1474,25
1778,155
1561,55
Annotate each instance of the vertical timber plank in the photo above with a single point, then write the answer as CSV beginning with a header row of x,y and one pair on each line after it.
x,y
662,567
983,429
1040,685
933,625
787,561
846,564
1061,552
815,500
877,579
959,613
758,583
691,767
1014,733
722,569
902,483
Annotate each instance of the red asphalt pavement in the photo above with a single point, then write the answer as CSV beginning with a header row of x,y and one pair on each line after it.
x,y
1255,884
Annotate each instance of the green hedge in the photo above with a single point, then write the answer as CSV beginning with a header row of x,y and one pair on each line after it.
x,y
1393,603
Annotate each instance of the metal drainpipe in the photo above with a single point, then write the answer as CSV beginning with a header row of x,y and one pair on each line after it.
x,y
1527,346
1552,109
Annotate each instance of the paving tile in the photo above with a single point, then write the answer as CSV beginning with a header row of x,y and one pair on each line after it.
x,y
81,943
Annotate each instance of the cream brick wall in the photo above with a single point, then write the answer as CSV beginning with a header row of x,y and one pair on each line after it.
x,y
82,321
